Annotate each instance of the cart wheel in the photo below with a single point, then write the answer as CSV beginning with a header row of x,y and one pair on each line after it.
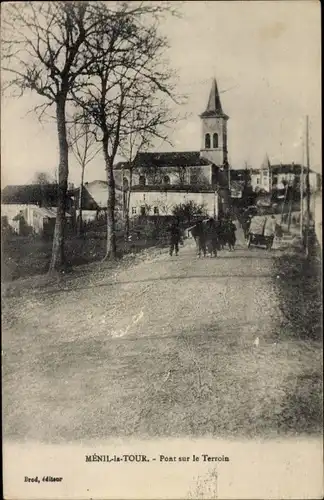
x,y
249,241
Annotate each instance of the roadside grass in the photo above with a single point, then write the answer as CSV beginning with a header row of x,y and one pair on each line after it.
x,y
23,257
298,284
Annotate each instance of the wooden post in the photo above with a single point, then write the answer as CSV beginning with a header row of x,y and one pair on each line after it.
x,y
307,188
284,202
301,182
290,210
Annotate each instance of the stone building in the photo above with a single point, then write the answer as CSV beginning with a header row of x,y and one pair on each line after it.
x,y
270,177
159,181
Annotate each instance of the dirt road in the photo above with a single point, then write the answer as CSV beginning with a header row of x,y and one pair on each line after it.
x,y
172,346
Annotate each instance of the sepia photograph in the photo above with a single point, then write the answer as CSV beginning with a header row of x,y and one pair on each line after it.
x,y
161,250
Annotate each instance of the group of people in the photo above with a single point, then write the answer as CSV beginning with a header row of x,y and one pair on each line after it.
x,y
210,236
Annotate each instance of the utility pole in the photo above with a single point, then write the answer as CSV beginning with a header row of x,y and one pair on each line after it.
x,y
307,187
291,200
301,183
284,202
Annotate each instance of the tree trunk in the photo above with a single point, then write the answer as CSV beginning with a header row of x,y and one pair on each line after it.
x,y
111,249
290,209
57,260
79,228
128,195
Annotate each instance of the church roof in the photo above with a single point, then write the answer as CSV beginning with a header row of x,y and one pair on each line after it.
x,y
214,106
170,159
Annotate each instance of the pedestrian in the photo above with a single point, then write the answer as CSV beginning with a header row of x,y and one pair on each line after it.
x,y
230,237
270,230
175,237
199,234
212,237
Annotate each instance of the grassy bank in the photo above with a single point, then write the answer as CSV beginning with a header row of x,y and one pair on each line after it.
x,y
299,287
23,257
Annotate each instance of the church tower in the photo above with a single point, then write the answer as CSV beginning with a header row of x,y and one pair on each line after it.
x,y
214,130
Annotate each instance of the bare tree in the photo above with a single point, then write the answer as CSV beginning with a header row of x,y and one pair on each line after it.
x,y
84,147
44,51
149,119
130,68
43,178
180,173
198,178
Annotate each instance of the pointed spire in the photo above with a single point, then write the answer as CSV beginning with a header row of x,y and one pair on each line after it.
x,y
214,106
266,163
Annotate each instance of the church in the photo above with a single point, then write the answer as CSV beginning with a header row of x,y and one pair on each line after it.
x,y
162,180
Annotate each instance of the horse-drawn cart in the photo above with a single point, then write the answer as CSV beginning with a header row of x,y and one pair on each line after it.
x,y
261,231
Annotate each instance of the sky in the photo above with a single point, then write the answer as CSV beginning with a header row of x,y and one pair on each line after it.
x,y
266,59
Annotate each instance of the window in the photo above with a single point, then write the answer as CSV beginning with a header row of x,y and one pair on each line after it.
x,y
156,210
125,183
207,141
215,141
142,180
143,210
166,179
133,210
258,180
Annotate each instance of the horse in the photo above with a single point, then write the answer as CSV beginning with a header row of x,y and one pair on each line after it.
x,y
199,234
227,234
212,237
246,226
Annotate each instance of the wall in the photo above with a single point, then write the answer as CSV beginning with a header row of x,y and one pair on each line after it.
x,y
316,206
265,180
165,201
98,190
34,216
254,181
155,176
211,126
11,210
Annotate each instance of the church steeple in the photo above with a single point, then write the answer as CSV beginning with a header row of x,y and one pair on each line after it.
x,y
266,163
214,106
265,174
214,129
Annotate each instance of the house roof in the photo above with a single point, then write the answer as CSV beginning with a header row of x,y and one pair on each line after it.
x,y
188,188
169,159
30,194
214,106
94,194
286,168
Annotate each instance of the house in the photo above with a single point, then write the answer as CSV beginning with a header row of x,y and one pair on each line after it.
x,y
237,189
275,177
162,180
31,208
94,199
156,200
291,173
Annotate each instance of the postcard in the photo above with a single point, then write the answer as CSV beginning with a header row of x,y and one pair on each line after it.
x,y
161,228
